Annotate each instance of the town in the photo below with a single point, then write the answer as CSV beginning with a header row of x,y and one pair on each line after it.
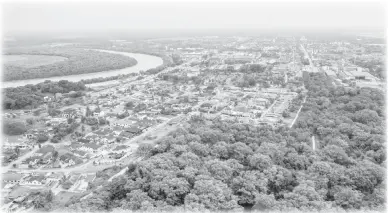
x,y
70,138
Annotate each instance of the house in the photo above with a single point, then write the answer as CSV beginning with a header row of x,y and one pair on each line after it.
x,y
33,180
75,146
70,113
105,161
48,157
81,185
20,145
74,177
133,130
53,177
107,139
92,137
125,134
120,148
80,153
101,132
121,123
29,136
90,147
56,121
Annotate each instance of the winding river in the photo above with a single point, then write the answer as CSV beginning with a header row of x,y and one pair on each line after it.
x,y
144,62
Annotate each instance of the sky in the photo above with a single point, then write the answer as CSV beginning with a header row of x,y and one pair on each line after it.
x,y
90,16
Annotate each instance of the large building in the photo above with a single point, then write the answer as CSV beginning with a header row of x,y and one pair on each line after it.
x,y
356,73
331,73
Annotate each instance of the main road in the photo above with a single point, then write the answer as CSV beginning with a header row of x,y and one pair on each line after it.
x,y
144,62
312,67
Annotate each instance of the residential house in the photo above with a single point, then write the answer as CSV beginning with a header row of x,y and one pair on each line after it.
x,y
80,153
69,113
121,123
108,139
90,147
46,99
120,148
92,137
53,177
57,121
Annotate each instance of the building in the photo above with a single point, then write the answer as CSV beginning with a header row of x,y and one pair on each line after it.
x,y
331,73
69,113
12,177
33,180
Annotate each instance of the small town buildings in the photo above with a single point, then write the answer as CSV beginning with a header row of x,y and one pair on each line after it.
x,y
33,180
70,113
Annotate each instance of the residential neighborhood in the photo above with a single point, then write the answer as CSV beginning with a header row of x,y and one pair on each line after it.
x,y
246,80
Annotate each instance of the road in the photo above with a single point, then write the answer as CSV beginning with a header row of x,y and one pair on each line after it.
x,y
266,111
297,114
313,142
19,160
311,66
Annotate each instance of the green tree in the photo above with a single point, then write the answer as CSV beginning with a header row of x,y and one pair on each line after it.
x,y
14,127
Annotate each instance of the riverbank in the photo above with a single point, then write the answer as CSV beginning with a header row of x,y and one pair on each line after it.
x,y
144,63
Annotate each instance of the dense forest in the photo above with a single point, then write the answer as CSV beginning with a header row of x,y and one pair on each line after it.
x,y
219,165
79,61
32,96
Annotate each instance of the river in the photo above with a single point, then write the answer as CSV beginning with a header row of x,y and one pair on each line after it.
x,y
144,62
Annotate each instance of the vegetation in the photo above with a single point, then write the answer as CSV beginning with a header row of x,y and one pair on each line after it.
x,y
252,68
31,96
79,61
248,80
218,165
14,127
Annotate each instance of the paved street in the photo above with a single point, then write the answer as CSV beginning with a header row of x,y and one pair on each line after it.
x,y
297,114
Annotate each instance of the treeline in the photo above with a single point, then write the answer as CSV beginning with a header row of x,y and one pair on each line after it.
x,y
180,78
219,165
110,78
247,80
31,96
353,117
79,61
375,66
252,68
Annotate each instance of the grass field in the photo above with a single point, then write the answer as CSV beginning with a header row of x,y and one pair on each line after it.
x,y
31,61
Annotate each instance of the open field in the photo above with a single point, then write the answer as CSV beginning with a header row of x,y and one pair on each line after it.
x,y
31,61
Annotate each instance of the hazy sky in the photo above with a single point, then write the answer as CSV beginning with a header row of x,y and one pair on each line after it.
x,y
43,17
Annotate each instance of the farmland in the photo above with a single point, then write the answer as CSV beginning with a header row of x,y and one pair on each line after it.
x,y
32,62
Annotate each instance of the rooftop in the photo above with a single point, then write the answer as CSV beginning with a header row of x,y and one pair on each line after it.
x,y
120,147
